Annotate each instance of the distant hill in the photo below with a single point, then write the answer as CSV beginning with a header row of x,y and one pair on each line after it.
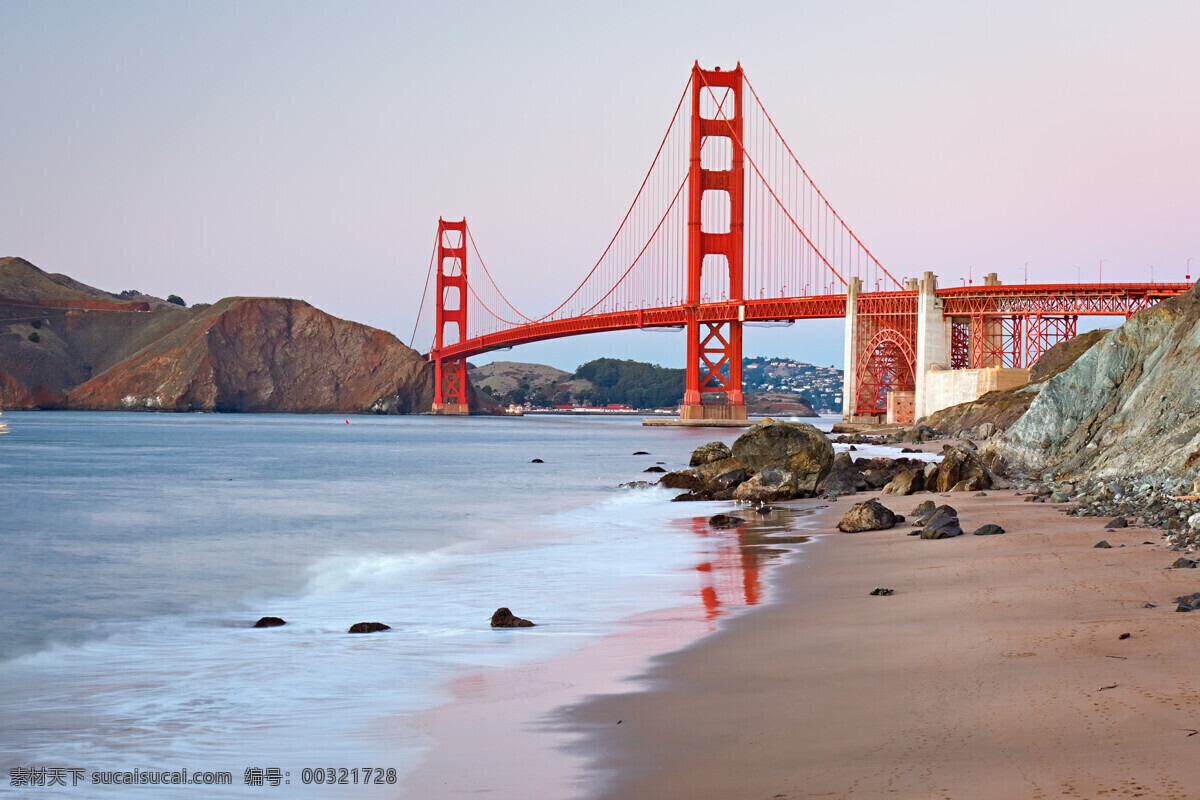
x,y
635,383
790,404
64,344
504,376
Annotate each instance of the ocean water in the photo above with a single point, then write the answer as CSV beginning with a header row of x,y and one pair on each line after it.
x,y
138,549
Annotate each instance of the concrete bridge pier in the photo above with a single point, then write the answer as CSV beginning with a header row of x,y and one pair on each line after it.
x,y
933,340
850,370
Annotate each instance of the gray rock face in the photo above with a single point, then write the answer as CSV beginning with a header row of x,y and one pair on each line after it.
x,y
708,453
269,622
369,627
869,516
796,448
723,521
1138,385
989,530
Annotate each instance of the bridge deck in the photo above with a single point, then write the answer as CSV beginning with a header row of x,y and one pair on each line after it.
x,y
1113,299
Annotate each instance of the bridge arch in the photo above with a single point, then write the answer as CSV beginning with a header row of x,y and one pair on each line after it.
x,y
889,365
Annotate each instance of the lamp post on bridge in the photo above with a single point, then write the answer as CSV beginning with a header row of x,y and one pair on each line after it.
x,y
1027,263
1102,271
1188,275
1151,266
1078,278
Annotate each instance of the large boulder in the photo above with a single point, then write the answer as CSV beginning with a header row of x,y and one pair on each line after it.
x,y
906,482
797,448
728,472
962,470
768,486
708,453
369,627
841,483
843,478
869,516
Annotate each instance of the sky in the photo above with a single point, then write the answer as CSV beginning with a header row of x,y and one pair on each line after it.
x,y
307,149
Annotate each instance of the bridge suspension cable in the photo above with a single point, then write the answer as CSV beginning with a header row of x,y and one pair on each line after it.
x,y
795,243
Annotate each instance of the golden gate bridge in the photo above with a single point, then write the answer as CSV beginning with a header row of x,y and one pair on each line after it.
x,y
728,228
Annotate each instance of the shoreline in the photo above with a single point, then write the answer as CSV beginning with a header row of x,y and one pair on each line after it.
x,y
510,731
995,671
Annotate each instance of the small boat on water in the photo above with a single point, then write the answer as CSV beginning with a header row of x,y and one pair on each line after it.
x,y
514,410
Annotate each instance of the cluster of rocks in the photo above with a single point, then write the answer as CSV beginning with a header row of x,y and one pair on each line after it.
x,y
984,430
1172,506
775,461
931,520
770,461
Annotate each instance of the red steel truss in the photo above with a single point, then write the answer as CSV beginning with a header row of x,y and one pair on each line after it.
x,y
960,343
1086,299
1045,332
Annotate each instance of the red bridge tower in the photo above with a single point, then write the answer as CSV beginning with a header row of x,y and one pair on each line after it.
x,y
715,346
450,375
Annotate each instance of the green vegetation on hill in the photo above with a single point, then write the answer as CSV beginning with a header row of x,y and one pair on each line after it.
x,y
633,383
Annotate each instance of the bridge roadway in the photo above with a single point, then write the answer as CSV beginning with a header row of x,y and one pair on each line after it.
x,y
1099,299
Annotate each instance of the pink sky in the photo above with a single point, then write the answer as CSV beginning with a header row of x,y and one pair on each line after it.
x,y
307,149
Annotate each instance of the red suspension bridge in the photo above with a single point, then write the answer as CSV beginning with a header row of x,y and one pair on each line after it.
x,y
728,228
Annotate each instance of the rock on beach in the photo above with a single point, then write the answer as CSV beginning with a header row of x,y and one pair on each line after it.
x,y
867,516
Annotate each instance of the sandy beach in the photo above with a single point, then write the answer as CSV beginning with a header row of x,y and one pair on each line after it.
x,y
996,670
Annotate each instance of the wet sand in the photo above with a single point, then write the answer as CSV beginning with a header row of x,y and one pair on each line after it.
x,y
510,732
996,670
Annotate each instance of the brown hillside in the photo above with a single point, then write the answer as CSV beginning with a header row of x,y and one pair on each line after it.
x,y
266,354
64,344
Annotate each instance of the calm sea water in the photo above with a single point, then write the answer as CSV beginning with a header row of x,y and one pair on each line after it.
x,y
139,548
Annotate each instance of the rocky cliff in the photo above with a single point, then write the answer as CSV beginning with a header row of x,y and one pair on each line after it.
x,y
1129,406
66,345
